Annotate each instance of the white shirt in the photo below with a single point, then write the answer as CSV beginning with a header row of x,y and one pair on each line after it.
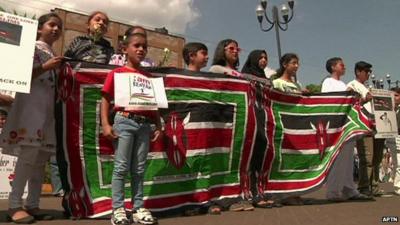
x,y
331,85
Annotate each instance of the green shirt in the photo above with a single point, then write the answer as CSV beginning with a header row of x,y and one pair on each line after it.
x,y
286,86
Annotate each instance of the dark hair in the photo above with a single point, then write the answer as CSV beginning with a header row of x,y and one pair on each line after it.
x,y
362,66
46,17
3,112
332,62
192,48
395,89
219,54
251,65
285,59
95,13
128,38
133,28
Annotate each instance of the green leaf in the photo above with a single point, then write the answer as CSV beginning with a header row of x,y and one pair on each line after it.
x,y
314,88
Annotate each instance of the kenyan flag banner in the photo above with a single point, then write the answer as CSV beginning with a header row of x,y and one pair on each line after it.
x,y
305,134
214,129
208,131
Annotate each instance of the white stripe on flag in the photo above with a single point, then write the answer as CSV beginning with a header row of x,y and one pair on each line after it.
x,y
300,152
208,125
311,131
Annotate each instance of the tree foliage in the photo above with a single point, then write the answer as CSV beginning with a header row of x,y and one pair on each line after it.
x,y
314,88
16,13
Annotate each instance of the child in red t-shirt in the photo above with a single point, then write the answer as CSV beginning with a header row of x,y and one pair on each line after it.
x,y
131,137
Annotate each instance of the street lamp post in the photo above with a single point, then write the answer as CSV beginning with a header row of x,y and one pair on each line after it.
x,y
390,82
380,83
377,83
261,12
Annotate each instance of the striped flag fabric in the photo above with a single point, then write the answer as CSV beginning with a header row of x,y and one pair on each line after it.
x,y
212,127
305,134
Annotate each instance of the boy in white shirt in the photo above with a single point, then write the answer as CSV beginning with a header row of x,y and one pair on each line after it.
x,y
340,182
367,185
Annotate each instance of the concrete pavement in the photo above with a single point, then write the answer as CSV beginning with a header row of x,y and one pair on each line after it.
x,y
320,213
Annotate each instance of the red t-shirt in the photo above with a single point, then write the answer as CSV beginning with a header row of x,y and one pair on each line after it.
x,y
108,88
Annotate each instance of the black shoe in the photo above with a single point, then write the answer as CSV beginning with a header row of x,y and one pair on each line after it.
x,y
381,193
365,192
23,220
39,215
361,197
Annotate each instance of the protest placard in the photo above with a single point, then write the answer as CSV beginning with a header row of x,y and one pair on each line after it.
x,y
385,116
17,45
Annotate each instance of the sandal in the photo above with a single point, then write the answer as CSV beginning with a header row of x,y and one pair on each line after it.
x,y
236,207
263,204
35,212
247,206
24,217
214,210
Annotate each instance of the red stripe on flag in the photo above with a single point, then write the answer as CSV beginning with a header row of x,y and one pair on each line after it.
x,y
72,136
167,202
314,100
293,186
210,84
269,157
208,138
200,139
307,141
105,146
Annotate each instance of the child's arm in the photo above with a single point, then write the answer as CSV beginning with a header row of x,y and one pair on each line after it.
x,y
158,130
367,98
48,65
108,132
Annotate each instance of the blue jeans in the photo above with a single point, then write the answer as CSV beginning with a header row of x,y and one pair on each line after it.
x,y
55,176
131,150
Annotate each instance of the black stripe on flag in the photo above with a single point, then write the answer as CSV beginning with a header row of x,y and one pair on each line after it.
x,y
301,122
202,112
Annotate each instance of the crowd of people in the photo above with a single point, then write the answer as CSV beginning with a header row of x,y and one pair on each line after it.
x,y
33,141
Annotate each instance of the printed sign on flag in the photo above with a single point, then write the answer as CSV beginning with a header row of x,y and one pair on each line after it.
x,y
134,91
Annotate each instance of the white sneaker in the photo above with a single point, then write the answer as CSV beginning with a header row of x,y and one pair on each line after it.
x,y
143,216
119,217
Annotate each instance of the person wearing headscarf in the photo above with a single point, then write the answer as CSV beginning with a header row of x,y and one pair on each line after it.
x,y
255,63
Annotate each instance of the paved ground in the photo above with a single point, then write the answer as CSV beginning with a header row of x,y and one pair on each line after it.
x,y
321,213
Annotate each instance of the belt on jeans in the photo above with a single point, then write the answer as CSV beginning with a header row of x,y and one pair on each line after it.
x,y
134,117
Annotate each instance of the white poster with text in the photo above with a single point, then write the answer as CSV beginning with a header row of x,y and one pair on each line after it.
x,y
17,46
385,115
134,91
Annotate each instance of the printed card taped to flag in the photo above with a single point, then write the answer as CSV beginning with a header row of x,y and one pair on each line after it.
x,y
135,91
